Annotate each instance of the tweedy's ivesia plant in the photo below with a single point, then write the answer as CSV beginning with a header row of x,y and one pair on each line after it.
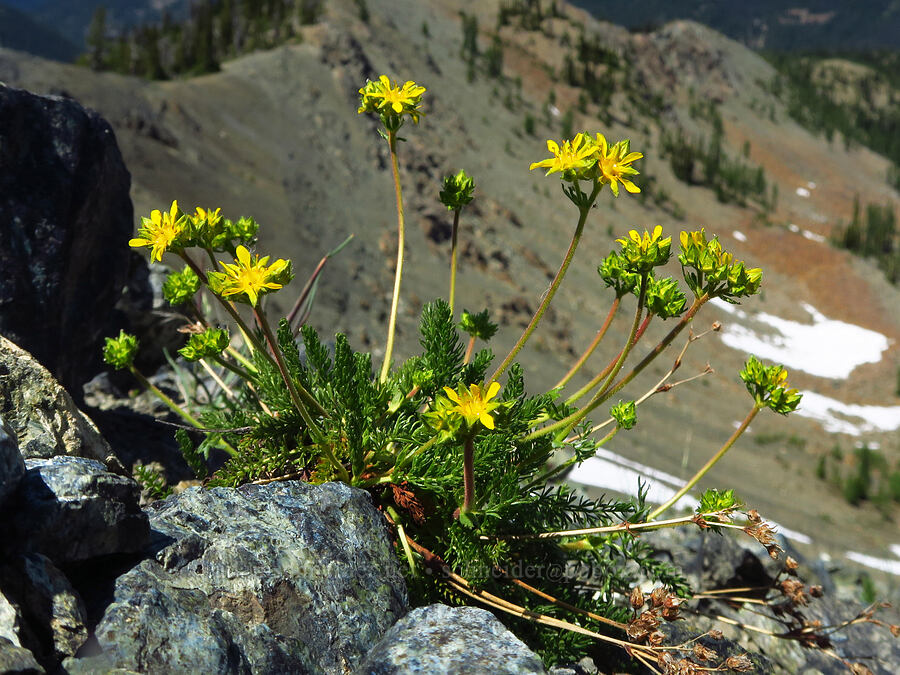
x,y
462,460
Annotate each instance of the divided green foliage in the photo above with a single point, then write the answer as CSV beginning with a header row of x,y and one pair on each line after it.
x,y
191,454
152,481
443,353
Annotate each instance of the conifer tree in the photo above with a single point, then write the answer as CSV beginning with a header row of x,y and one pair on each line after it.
x,y
96,39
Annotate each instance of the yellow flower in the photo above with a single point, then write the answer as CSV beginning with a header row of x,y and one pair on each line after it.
x,y
160,231
573,159
474,405
641,253
384,97
614,163
252,278
210,217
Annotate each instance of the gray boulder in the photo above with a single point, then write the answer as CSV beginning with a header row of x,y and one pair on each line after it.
x,y
73,509
451,641
17,660
286,577
40,412
65,220
12,466
51,619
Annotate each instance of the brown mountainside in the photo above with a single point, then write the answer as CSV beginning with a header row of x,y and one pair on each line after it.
x,y
276,135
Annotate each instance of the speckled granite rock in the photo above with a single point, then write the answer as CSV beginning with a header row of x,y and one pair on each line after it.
x,y
41,413
287,577
15,660
51,615
451,641
12,466
72,509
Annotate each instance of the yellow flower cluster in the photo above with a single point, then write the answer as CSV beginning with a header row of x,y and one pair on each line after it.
x,y
161,231
587,158
390,99
247,278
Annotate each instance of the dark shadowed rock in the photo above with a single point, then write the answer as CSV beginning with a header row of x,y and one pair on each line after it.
x,y
72,509
287,577
65,220
15,660
52,615
41,413
12,466
452,641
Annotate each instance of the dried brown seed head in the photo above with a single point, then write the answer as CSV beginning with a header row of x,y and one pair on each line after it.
x,y
703,653
740,663
637,598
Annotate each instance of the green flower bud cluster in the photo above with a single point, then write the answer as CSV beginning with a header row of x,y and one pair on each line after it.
x,y
664,298
768,386
641,253
457,191
211,231
179,287
713,501
477,325
624,414
210,342
614,274
709,269
119,352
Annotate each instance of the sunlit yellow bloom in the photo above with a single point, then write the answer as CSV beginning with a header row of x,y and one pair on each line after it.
x,y
615,161
210,217
384,97
644,242
160,231
252,278
474,405
642,252
573,159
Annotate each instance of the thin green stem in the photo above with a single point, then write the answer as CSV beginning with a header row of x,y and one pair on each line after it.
x,y
468,474
237,370
629,343
229,307
555,471
568,422
288,380
174,407
403,461
554,285
603,374
251,368
591,347
453,253
710,464
398,274
469,349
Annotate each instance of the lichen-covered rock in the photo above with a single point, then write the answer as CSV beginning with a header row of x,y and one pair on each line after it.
x,y
72,509
286,577
52,616
65,218
16,660
451,641
12,466
40,412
